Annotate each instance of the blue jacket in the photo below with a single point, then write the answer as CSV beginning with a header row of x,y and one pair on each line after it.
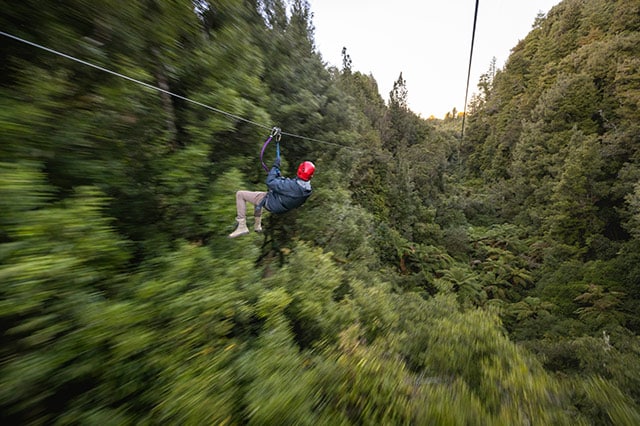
x,y
284,193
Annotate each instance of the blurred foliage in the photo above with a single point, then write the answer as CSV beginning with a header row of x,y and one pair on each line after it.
x,y
428,280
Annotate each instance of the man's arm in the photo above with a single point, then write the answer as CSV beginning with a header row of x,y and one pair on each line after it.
x,y
274,181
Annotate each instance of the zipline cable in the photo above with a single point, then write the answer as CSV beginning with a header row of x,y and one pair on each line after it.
x,y
149,86
158,89
473,37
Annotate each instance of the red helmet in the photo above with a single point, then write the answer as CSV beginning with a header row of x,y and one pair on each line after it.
x,y
305,170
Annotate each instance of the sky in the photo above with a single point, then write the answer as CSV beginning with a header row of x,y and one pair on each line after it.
x,y
428,41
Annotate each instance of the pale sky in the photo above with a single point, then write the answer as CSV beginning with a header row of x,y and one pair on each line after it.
x,y
428,41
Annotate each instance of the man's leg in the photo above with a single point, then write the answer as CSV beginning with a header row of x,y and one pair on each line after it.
x,y
257,212
242,197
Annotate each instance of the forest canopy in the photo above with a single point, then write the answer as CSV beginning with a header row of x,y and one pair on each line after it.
x,y
430,279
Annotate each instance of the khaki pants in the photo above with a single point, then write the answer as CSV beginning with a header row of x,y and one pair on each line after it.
x,y
253,197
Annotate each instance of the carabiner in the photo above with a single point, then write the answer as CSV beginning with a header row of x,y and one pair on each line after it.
x,y
277,133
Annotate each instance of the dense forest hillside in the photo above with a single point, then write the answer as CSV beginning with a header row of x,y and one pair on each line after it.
x,y
430,279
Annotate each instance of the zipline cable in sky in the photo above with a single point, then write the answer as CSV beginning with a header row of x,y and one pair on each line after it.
x,y
473,37
149,86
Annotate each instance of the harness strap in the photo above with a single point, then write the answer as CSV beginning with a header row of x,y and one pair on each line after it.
x,y
261,204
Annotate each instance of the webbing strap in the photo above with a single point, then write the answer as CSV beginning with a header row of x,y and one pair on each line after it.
x,y
275,132
264,166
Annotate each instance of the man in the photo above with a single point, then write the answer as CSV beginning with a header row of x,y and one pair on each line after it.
x,y
284,194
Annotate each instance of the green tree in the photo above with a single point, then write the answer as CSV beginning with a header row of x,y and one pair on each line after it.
x,y
573,216
464,283
398,97
60,266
